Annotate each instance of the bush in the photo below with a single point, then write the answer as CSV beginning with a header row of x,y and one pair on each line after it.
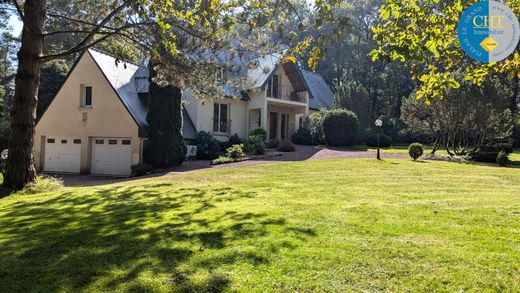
x,y
272,143
410,135
340,127
303,136
503,158
141,170
234,139
208,148
489,153
256,145
314,123
415,150
221,160
235,151
384,141
285,146
516,136
165,141
259,131
42,184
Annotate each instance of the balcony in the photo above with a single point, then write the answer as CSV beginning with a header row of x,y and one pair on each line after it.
x,y
287,93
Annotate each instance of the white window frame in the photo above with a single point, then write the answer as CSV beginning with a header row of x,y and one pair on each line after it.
x,y
83,101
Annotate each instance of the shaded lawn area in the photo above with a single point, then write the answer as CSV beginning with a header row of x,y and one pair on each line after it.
x,y
336,225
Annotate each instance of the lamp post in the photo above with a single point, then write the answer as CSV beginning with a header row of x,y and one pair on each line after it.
x,y
379,124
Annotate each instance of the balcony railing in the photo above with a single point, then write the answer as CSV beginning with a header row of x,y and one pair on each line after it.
x,y
287,93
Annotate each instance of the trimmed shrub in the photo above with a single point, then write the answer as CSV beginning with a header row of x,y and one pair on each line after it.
x,y
314,123
165,145
208,148
221,160
259,131
415,150
303,136
272,143
256,145
384,141
285,146
235,151
503,158
340,127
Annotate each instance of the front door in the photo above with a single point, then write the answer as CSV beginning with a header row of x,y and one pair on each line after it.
x,y
273,125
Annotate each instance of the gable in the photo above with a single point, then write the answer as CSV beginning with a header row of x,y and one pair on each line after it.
x,y
107,115
127,80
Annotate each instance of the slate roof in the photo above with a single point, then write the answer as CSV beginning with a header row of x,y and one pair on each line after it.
x,y
258,76
321,96
129,80
125,78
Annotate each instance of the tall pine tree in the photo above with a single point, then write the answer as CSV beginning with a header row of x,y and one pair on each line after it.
x,y
166,144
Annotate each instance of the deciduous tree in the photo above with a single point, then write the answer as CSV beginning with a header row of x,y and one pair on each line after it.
x,y
193,31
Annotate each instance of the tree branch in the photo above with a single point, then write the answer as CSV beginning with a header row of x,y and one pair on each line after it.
x,y
77,20
77,49
71,32
87,41
18,9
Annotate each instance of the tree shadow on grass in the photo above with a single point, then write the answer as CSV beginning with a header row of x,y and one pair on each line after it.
x,y
113,237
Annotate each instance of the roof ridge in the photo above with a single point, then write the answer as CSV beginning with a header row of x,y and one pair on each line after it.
x,y
114,56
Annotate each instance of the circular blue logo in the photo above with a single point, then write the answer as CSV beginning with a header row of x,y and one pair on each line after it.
x,y
488,31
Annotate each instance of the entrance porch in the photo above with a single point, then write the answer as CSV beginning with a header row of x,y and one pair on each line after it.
x,y
281,119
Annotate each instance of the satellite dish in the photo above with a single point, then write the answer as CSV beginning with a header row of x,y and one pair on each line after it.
x,y
5,154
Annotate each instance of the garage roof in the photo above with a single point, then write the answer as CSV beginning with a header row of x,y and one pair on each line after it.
x,y
130,81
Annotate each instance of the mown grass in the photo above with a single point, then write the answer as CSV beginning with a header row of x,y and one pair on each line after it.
x,y
514,157
337,225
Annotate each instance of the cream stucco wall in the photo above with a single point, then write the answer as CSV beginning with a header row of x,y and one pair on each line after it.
x,y
107,117
244,115
201,113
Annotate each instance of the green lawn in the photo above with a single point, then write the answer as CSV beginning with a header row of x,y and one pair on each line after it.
x,y
338,225
515,157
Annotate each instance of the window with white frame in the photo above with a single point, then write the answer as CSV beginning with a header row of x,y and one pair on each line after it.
x,y
86,96
221,118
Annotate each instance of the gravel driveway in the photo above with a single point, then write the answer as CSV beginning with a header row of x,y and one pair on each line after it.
x,y
302,153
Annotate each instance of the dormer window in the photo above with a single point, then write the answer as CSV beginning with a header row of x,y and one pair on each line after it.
x,y
86,96
219,75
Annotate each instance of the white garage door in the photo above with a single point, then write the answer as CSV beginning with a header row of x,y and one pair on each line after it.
x,y
111,156
62,155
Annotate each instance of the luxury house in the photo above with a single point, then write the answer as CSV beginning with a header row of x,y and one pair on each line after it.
x,y
97,121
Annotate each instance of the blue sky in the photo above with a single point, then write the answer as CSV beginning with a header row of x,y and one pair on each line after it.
x,y
15,22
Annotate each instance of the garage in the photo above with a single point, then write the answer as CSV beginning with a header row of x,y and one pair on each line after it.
x,y
62,155
111,156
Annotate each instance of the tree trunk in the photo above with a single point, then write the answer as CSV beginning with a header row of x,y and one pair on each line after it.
x,y
20,164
